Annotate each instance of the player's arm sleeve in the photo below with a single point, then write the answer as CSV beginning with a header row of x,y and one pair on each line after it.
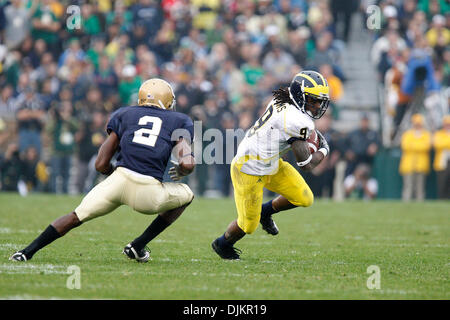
x,y
296,129
105,154
189,126
115,123
185,130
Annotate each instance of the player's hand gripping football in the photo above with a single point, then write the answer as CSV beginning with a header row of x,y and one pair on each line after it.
x,y
323,144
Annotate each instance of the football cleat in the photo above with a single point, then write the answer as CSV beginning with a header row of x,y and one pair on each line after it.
x,y
138,255
18,256
226,252
269,225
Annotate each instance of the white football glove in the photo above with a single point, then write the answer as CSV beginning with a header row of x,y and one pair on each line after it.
x,y
323,144
174,172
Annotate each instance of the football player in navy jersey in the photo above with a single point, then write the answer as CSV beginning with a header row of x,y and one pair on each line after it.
x,y
144,138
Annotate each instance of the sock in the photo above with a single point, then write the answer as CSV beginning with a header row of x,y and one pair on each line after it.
x,y
48,236
156,227
267,209
223,242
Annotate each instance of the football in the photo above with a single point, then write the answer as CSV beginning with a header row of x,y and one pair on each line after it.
x,y
313,141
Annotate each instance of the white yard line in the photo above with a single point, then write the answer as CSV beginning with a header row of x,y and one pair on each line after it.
x,y
27,268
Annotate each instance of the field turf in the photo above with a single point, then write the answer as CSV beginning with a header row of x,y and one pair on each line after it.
x,y
321,252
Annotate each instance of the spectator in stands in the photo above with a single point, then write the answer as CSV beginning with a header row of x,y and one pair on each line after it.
x,y
129,85
420,70
439,39
433,7
11,168
5,135
163,44
438,34
277,62
73,52
415,159
396,100
7,105
360,185
46,26
342,11
30,119
298,43
387,42
91,24
252,70
441,164
150,14
91,103
62,128
335,84
17,26
30,161
406,13
361,145
105,77
231,79
89,138
46,94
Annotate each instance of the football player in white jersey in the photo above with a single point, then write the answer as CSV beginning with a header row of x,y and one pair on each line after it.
x,y
285,125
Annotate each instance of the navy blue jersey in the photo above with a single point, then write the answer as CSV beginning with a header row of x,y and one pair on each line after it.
x,y
147,135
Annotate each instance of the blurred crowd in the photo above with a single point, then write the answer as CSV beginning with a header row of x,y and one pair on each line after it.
x,y
412,54
62,76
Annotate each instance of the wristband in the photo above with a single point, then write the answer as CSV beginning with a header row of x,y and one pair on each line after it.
x,y
324,151
187,155
304,163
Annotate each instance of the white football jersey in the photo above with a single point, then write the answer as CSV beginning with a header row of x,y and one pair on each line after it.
x,y
270,138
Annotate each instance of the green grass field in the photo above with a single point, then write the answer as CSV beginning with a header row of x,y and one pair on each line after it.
x,y
322,252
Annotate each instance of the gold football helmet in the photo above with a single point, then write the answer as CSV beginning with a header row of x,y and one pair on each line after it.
x,y
156,92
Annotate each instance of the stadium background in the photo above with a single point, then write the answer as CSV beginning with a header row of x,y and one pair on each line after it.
x,y
60,84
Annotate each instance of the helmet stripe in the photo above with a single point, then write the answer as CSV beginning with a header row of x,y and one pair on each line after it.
x,y
324,82
309,78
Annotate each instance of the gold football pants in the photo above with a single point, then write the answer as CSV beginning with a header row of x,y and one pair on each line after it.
x,y
248,192
144,194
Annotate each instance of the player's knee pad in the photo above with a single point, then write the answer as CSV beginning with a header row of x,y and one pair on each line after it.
x,y
247,225
190,194
306,199
249,228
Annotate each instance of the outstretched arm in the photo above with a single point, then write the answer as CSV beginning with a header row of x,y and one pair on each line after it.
x,y
105,154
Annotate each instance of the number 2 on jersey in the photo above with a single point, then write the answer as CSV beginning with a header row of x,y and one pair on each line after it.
x,y
147,136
